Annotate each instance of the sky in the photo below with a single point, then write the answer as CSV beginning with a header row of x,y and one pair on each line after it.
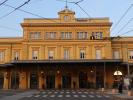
x,y
114,9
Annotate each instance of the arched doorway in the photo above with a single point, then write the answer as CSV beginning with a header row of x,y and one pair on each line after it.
x,y
1,80
14,80
34,80
66,80
50,80
83,80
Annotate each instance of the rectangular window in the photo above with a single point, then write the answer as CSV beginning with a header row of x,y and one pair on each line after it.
x,y
66,35
82,54
35,54
98,54
116,55
16,55
82,35
50,35
131,54
97,35
51,54
35,35
2,56
66,54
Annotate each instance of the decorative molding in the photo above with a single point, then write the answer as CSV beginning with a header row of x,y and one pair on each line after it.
x,y
64,24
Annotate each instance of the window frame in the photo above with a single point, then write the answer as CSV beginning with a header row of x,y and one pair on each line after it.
x,y
35,54
82,54
66,54
35,35
50,54
2,56
98,55
131,54
116,54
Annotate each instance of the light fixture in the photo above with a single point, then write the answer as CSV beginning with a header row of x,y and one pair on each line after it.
x,y
118,73
42,72
58,72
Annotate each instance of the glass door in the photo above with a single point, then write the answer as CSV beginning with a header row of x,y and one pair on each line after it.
x,y
66,81
14,80
34,80
50,81
83,80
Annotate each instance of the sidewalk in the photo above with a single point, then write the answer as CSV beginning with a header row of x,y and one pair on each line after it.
x,y
118,96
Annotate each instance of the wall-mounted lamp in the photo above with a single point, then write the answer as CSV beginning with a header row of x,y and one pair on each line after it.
x,y
22,74
58,72
42,74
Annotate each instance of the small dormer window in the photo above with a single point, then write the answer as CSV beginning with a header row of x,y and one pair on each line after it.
x,y
66,18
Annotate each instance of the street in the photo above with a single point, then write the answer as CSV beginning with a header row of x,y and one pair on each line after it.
x,y
79,94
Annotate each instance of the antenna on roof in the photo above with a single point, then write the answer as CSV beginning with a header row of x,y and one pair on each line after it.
x,y
66,5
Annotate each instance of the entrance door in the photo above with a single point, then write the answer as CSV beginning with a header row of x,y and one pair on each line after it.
x,y
99,80
1,80
15,80
33,80
50,81
83,80
66,81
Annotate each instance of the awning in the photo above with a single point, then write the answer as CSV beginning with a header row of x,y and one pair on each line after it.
x,y
125,63
5,65
67,61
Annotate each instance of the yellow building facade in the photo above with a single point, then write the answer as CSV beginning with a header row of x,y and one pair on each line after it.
x,y
64,52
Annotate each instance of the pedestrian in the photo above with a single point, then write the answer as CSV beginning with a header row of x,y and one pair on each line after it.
x,y
120,87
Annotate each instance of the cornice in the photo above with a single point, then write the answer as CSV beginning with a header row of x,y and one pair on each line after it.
x,y
64,24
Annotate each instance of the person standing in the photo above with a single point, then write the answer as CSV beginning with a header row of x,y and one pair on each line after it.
x,y
120,87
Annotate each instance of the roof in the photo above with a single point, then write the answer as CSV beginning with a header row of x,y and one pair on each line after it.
x,y
11,39
66,10
122,39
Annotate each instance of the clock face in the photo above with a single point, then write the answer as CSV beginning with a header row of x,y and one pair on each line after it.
x,y
66,18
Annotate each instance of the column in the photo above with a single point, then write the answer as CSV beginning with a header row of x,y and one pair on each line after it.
x,y
23,84
41,52
58,80
28,79
6,81
104,75
75,78
40,80
25,52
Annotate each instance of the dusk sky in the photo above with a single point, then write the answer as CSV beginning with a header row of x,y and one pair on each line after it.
x,y
114,9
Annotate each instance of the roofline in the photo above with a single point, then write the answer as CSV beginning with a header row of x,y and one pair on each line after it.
x,y
122,37
11,37
58,18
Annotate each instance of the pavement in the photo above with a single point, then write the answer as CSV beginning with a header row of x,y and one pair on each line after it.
x,y
78,94
120,96
63,94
